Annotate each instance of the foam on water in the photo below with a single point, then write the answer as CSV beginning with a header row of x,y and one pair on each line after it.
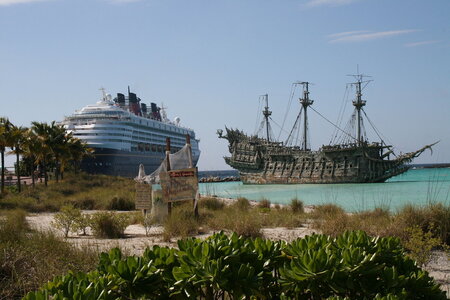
x,y
417,187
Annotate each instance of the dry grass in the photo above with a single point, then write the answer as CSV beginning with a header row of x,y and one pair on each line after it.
x,y
28,259
233,218
83,191
109,225
434,218
181,222
211,203
264,203
297,206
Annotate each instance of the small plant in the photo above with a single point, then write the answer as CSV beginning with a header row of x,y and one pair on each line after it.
x,y
297,206
120,203
242,203
211,203
264,203
420,244
66,219
82,223
181,222
13,226
109,225
277,206
147,222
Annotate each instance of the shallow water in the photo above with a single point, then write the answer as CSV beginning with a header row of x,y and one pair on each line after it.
x,y
419,187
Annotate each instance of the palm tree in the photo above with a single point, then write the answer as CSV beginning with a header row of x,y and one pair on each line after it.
x,y
17,136
78,149
58,143
4,143
43,150
30,148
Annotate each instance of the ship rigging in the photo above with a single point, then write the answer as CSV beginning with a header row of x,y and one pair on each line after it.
x,y
261,159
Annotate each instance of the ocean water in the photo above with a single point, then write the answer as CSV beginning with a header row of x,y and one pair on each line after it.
x,y
417,186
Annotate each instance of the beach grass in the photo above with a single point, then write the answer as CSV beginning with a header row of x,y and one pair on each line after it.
x,y
29,258
81,190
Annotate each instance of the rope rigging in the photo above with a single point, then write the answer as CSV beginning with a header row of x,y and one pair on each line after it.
x,y
293,88
346,133
295,129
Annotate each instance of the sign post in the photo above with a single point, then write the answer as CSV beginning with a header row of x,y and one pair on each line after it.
x,y
143,199
179,185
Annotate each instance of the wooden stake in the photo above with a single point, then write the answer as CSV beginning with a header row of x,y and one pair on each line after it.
x,y
169,204
188,143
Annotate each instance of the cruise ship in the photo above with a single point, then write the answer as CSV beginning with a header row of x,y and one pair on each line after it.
x,y
124,132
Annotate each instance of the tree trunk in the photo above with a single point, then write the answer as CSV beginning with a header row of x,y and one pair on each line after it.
x,y
3,171
32,178
45,174
19,187
57,171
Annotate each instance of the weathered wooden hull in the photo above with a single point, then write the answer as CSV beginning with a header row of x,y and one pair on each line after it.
x,y
259,162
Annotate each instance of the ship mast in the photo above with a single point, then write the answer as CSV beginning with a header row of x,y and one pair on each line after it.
x,y
267,113
305,101
359,104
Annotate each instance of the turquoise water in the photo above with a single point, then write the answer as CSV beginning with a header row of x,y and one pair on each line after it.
x,y
418,187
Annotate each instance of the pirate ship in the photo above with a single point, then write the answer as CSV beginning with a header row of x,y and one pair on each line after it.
x,y
349,158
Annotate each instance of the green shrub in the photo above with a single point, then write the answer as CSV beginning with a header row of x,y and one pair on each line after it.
x,y
434,218
85,203
120,203
65,220
109,225
297,206
211,203
82,223
350,266
419,244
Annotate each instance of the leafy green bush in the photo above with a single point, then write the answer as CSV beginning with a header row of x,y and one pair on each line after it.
x,y
419,244
350,266
82,223
65,220
109,225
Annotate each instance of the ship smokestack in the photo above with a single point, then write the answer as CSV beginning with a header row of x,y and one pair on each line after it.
x,y
134,104
121,99
144,108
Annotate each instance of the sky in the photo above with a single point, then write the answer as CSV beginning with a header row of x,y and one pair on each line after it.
x,y
208,61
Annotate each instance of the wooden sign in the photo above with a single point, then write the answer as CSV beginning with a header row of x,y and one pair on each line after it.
x,y
179,185
143,196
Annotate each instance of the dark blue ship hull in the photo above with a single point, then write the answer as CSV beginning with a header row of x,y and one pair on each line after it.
x,y
122,163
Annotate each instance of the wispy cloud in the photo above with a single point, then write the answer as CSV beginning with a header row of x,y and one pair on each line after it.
x,y
315,3
347,33
361,36
12,2
421,43
123,1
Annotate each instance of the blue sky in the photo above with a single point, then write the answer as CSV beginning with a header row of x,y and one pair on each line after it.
x,y
209,61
